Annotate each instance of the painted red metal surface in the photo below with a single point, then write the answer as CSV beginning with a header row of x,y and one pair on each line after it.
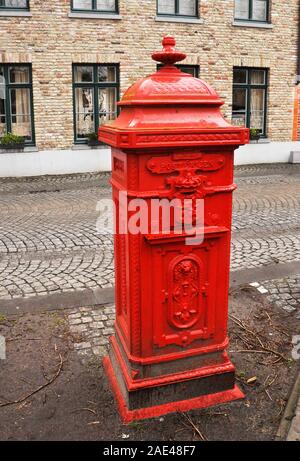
x,y
204,401
171,141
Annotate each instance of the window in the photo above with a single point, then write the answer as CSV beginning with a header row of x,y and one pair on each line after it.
x,y
96,92
102,6
187,68
249,106
14,4
16,104
252,10
187,8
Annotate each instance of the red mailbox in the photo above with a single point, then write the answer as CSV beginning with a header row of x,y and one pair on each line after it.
x,y
171,141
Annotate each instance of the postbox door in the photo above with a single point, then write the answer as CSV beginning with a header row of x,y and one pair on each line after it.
x,y
187,292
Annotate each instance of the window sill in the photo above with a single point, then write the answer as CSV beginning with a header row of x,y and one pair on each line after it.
x,y
22,14
260,141
94,16
19,151
257,25
86,147
180,19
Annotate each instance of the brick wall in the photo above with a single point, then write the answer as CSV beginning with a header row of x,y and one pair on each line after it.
x,y
52,41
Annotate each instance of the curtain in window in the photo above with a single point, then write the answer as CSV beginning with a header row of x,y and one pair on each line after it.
x,y
187,7
14,3
257,109
259,10
166,6
242,9
20,104
85,119
107,104
106,5
2,103
82,4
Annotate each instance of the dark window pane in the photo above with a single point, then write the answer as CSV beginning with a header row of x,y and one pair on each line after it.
x,y
240,76
166,6
192,70
84,110
239,102
107,74
242,10
84,74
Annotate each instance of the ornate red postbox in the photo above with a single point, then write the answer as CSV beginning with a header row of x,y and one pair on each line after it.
x,y
169,349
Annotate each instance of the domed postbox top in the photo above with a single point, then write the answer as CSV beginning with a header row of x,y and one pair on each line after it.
x,y
169,85
170,108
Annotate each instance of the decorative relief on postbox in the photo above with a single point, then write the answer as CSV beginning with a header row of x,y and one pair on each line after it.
x,y
184,318
184,302
189,183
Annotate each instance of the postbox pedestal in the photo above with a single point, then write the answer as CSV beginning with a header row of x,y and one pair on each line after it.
x,y
169,349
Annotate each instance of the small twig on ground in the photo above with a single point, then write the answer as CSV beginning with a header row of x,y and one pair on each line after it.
x,y
85,409
253,351
268,394
24,339
196,429
50,381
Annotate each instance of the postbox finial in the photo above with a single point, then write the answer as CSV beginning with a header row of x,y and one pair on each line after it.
x,y
168,55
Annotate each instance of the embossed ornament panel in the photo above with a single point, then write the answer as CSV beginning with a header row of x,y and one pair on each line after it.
x,y
185,280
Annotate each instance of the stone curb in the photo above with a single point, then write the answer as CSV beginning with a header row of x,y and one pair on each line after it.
x,y
290,412
57,301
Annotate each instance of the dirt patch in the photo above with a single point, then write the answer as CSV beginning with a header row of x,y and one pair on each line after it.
x,y
72,401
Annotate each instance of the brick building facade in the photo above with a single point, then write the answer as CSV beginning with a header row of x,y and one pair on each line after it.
x,y
246,48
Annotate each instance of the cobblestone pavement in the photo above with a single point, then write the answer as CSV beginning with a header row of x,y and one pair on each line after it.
x,y
48,238
91,327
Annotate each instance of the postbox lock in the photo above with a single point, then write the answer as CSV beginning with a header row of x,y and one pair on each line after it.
x,y
165,295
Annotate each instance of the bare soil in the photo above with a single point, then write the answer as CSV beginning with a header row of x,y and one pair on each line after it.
x,y
47,393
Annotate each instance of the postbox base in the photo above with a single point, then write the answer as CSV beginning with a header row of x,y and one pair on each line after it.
x,y
203,401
